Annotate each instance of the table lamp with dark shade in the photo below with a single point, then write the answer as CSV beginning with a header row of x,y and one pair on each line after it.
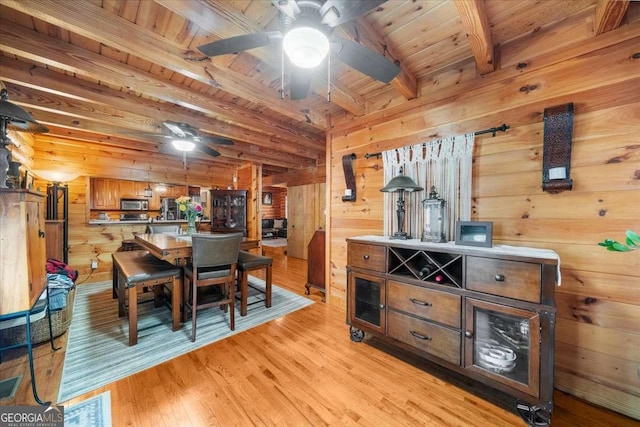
x,y
401,184
13,116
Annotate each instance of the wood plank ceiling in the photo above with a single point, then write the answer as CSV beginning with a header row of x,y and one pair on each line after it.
x,y
106,72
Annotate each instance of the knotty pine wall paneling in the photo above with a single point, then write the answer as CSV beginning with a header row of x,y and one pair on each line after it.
x,y
87,242
278,208
597,335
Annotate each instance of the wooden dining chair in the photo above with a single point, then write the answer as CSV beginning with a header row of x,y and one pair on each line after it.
x,y
213,263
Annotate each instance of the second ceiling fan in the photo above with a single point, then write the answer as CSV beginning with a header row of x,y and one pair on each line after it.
x,y
306,35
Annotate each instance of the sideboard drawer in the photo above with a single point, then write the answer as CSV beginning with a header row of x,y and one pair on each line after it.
x,y
371,257
425,336
433,305
511,279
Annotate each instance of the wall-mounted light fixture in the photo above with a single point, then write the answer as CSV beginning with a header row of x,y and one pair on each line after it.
x,y
556,160
401,184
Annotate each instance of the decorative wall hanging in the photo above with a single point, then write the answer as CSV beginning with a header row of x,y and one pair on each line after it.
x,y
556,160
349,178
445,164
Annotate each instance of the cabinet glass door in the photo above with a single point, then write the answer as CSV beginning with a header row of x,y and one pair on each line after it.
x,y
503,343
219,212
366,301
237,212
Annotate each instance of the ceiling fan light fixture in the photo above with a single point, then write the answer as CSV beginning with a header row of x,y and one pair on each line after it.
x,y
183,145
306,47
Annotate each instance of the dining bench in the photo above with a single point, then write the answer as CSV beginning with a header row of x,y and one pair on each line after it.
x,y
250,262
134,270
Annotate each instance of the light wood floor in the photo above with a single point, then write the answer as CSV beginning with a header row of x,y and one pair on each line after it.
x,y
298,370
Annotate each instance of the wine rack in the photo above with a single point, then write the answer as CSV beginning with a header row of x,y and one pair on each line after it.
x,y
443,268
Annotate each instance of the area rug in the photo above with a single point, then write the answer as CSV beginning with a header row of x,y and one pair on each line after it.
x,y
97,348
93,412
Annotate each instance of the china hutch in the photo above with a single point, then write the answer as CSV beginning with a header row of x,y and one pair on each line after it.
x,y
229,211
487,313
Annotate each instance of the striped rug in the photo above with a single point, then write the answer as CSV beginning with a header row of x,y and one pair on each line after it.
x,y
97,347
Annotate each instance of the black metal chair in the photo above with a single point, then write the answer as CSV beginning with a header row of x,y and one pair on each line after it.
x,y
213,263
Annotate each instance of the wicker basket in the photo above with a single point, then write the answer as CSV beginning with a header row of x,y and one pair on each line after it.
x,y
60,321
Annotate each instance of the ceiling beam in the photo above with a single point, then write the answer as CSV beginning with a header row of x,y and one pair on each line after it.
x,y
22,74
94,22
29,44
363,32
223,21
473,14
609,14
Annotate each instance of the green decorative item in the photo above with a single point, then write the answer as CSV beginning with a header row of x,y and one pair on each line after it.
x,y
632,243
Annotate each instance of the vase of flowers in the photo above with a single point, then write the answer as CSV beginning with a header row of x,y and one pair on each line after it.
x,y
192,210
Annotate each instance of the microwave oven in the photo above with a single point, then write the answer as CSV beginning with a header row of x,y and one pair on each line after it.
x,y
134,205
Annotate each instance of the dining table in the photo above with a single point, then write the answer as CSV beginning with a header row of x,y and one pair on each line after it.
x,y
177,248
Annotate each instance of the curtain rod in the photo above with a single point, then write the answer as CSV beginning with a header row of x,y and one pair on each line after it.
x,y
492,131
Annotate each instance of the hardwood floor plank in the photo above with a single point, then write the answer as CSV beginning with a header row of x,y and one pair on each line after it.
x,y
299,370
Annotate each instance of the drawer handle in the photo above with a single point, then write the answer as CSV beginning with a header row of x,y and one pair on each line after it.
x,y
499,278
418,302
468,334
420,336
366,257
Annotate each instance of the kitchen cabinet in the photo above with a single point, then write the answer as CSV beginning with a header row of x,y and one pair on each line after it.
x,y
23,252
486,313
229,211
105,194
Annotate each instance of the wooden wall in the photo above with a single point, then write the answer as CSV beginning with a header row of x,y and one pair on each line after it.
x,y
278,208
87,242
598,325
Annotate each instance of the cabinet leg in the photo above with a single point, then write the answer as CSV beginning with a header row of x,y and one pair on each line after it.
x,y
534,416
357,335
306,290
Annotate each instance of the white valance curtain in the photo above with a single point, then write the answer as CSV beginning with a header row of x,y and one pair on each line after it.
x,y
445,164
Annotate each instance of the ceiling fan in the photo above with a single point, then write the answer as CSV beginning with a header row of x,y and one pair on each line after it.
x,y
306,36
184,137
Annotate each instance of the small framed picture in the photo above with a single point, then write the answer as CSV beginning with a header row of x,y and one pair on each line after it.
x,y
267,198
474,233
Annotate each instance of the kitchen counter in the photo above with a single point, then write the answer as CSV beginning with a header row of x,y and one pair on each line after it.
x,y
138,221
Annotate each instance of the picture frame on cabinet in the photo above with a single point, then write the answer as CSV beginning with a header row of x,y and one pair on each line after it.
x,y
267,199
474,233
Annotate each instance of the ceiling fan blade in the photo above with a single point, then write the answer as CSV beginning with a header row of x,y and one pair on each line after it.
x,y
207,139
299,83
181,130
207,150
288,7
240,43
336,12
364,59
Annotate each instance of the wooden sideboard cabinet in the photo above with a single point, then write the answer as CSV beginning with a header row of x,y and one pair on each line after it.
x,y
486,313
23,275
